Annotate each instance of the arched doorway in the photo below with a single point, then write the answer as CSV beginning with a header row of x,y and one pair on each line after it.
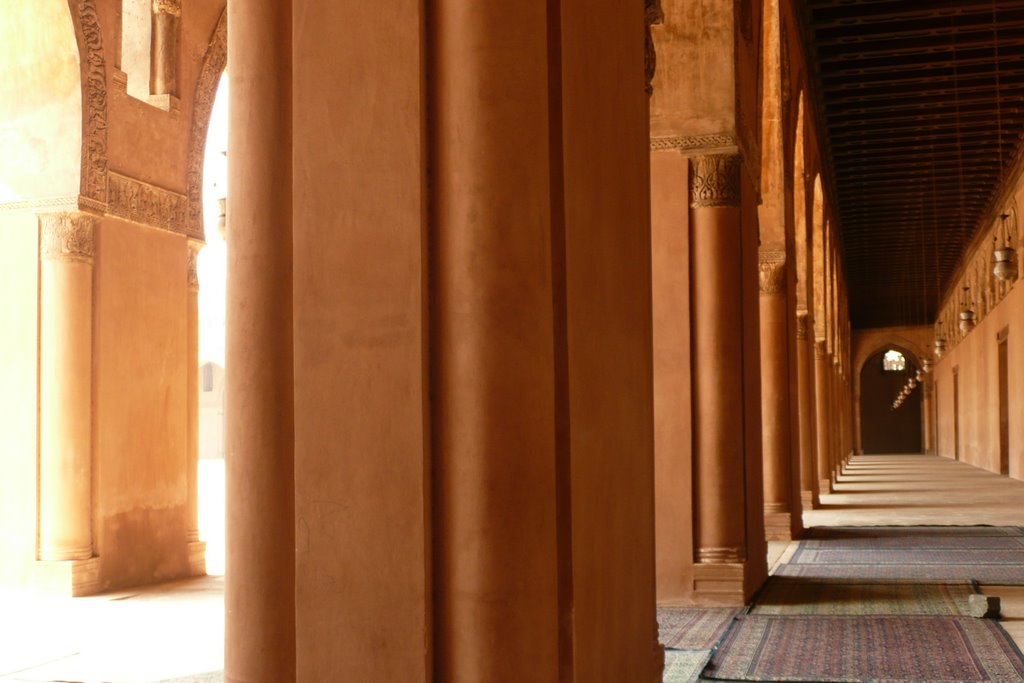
x,y
885,428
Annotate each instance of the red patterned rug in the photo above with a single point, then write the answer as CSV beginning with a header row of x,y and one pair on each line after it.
x,y
890,649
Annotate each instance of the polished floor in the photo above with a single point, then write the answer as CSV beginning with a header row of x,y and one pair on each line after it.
x,y
175,632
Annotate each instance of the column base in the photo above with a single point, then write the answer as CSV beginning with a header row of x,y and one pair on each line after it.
x,y
197,558
810,500
719,585
68,578
825,486
778,526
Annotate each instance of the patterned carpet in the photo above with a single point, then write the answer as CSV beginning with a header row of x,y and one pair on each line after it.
x,y
782,596
1004,575
693,628
894,649
684,666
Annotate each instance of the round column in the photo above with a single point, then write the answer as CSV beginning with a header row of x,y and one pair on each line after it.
x,y
822,401
928,410
716,322
775,397
65,386
196,549
805,404
259,459
164,51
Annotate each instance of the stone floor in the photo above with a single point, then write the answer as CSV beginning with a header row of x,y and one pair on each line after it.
x,y
174,632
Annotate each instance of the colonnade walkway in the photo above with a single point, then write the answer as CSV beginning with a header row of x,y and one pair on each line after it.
x,y
922,490
174,632
887,564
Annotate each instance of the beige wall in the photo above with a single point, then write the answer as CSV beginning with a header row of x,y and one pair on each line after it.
x,y
140,403
977,361
19,263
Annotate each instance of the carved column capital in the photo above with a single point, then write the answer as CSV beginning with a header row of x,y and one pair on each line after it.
x,y
715,181
194,247
67,236
820,350
172,7
771,266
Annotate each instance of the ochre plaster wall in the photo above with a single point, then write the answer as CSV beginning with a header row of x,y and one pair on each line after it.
x,y
139,404
976,358
40,101
608,299
165,134
361,397
19,263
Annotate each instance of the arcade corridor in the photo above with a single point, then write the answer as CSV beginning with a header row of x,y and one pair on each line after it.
x,y
183,623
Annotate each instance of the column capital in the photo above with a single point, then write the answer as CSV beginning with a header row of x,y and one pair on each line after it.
x,y
715,180
67,236
172,7
820,350
771,266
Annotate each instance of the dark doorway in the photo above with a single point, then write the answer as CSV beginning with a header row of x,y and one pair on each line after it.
x,y
885,429
1004,405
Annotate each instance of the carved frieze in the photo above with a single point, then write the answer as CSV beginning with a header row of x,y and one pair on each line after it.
x,y
67,236
148,204
192,272
696,143
771,266
206,90
94,75
715,181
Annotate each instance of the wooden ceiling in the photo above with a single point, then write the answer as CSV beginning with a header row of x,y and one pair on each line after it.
x,y
921,130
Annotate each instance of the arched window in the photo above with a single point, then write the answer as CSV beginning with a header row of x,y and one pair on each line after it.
x,y
893,361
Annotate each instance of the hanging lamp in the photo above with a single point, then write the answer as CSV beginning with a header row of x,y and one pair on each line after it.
x,y
1004,257
968,319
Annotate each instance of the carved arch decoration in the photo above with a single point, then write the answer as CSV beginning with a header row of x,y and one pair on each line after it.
x,y
94,103
214,62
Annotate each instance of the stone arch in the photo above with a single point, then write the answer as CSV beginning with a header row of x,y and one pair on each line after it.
x,y
214,63
94,102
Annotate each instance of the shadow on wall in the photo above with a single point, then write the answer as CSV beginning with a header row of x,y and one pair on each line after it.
x,y
884,429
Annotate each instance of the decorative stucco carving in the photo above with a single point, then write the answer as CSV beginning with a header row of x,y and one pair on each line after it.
x,y
148,204
722,142
653,14
172,7
192,271
67,236
771,266
94,105
214,62
715,180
